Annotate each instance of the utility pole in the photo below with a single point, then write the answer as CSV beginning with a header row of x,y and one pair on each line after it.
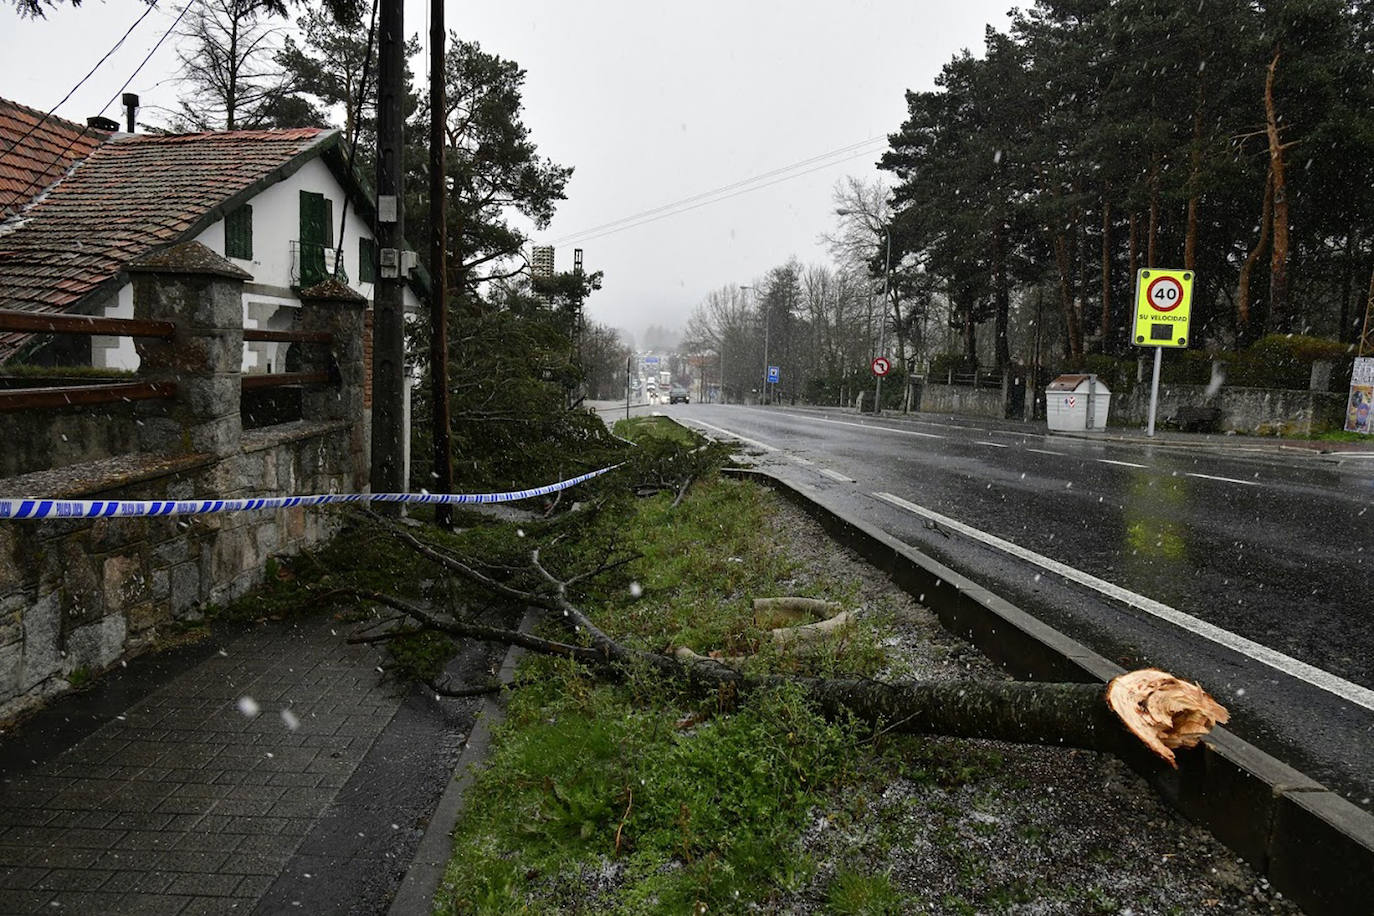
x,y
438,262
388,347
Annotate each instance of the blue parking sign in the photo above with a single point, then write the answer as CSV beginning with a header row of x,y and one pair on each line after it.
x,y
773,375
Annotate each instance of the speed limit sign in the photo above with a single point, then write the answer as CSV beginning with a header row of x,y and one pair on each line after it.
x,y
882,366
1163,302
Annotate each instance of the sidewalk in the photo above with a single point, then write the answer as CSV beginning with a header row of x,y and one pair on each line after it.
x,y
272,771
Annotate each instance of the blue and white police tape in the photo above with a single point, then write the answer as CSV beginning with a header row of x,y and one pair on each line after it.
x,y
122,508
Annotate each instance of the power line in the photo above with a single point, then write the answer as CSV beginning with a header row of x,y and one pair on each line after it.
x,y
82,81
592,234
29,187
634,218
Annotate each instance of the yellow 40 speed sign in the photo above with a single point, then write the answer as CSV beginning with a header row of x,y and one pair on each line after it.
x,y
1163,302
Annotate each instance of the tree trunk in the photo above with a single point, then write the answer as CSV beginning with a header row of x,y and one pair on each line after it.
x,y
1278,255
1107,273
1147,706
1152,230
1194,177
1073,328
1243,330
1133,246
1002,292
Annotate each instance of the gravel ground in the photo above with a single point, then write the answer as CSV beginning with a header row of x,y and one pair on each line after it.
x,y
990,827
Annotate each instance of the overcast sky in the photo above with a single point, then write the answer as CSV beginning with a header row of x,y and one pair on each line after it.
x,y
652,103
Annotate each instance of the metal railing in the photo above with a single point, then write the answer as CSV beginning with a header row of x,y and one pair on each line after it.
x,y
97,392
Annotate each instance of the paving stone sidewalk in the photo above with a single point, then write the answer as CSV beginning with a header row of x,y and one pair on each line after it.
x,y
196,798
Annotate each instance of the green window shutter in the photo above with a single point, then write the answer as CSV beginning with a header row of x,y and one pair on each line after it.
x,y
238,233
328,223
367,260
313,238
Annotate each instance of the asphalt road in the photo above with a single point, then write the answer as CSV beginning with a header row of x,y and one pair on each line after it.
x,y
1243,566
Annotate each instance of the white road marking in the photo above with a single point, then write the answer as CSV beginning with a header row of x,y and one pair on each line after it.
x,y
993,444
1248,483
974,429
881,429
1045,451
836,475
1124,464
1354,693
802,461
725,432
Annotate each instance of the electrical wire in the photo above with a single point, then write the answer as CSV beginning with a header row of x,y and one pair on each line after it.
x,y
58,158
82,82
353,141
634,218
591,234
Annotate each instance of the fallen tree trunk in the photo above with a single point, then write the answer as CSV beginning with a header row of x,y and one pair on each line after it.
x,y
1147,706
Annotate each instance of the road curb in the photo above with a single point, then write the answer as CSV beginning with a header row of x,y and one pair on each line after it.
x,y
1311,844
421,882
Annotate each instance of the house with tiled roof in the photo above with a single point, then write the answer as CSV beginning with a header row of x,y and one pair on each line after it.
x,y
79,205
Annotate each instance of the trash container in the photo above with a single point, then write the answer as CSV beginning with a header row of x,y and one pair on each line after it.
x,y
1076,403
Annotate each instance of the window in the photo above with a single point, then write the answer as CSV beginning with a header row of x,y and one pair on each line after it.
x,y
238,233
317,236
367,260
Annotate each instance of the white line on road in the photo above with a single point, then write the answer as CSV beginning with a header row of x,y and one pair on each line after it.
x,y
868,426
1248,483
993,444
725,432
836,475
1124,464
1300,670
881,429
1045,451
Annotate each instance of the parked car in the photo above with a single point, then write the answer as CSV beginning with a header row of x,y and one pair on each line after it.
x,y
678,393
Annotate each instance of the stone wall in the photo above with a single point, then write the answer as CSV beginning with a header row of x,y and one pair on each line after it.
x,y
78,595
963,400
1251,411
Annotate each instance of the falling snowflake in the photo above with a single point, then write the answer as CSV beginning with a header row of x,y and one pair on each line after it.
x,y
249,707
289,720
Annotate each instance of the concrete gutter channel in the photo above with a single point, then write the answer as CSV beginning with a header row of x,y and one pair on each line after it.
x,y
1313,845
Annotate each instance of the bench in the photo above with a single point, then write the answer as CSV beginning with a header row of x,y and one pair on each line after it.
x,y
1198,419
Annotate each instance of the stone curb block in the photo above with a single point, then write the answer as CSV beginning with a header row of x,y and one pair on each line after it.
x,y
1314,846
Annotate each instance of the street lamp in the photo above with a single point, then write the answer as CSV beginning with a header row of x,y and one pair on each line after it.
x,y
755,291
882,323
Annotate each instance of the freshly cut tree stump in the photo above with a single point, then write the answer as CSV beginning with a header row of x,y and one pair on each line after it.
x,y
1163,711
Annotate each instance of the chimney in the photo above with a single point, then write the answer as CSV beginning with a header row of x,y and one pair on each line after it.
x,y
105,124
130,106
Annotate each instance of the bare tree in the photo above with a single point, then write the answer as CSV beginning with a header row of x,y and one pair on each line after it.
x,y
229,64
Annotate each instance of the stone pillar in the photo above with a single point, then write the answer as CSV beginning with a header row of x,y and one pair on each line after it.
x,y
334,307
202,293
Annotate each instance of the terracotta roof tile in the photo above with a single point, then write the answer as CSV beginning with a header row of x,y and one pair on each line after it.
x,y
36,151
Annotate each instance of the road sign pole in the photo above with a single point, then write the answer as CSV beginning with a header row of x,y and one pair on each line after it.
x,y
1154,392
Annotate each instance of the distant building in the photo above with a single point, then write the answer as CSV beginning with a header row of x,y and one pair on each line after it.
x,y
541,261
